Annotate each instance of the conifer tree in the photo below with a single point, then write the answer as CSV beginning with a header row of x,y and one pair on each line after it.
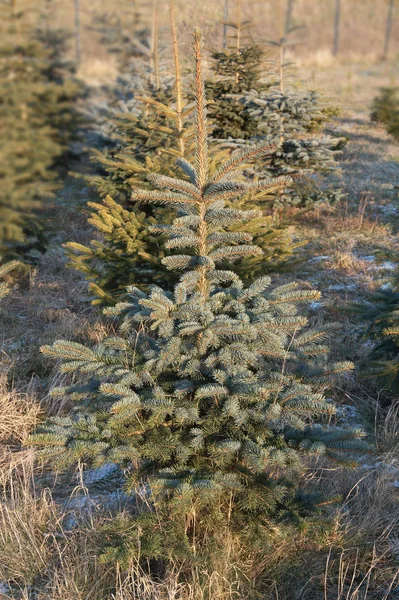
x,y
127,252
153,130
35,117
296,118
236,72
211,393
386,110
250,107
247,107
61,103
381,314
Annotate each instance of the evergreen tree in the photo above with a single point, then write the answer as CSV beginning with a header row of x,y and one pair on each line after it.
x,y
211,393
236,72
127,252
151,132
248,107
148,136
60,106
131,34
381,313
386,110
35,116
296,118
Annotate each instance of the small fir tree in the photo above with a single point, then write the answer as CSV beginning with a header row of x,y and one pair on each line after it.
x,y
266,108
296,118
247,108
61,105
236,72
127,252
385,110
211,393
149,135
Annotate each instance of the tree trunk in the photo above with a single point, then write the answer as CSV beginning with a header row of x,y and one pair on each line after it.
x,y
388,29
337,23
225,17
288,15
78,53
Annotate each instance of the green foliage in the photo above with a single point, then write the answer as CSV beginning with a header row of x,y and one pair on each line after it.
x,y
151,132
211,394
126,254
381,313
235,72
295,118
147,136
386,110
245,106
38,118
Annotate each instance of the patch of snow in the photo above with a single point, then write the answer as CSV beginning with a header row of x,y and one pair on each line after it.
x,y
99,474
315,305
4,588
319,258
388,265
78,505
341,287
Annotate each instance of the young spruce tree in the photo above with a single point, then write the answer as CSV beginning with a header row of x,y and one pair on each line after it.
x,y
212,393
151,132
247,107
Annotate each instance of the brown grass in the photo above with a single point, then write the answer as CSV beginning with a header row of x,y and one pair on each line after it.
x,y
19,413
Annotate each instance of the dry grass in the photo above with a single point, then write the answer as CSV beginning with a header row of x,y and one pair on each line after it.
x,y
348,579
41,559
27,524
388,432
19,413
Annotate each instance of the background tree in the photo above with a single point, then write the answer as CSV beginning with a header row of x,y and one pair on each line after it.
x,y
380,315
388,29
337,26
38,118
385,110
149,135
235,72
